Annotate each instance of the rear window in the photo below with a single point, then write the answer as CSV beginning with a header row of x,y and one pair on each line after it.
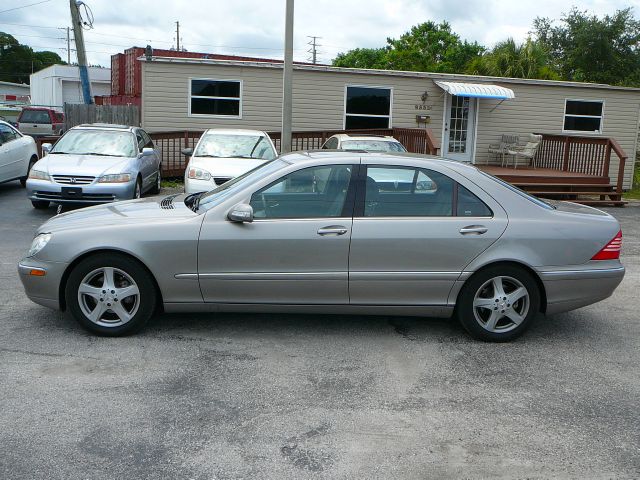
x,y
522,193
58,117
34,116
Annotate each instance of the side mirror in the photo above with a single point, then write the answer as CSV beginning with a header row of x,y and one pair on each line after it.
x,y
147,151
241,213
46,148
187,152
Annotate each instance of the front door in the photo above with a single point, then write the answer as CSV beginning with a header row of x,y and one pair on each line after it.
x,y
459,127
296,250
414,232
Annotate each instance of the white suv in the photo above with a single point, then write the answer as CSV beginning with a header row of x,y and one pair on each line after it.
x,y
370,143
223,154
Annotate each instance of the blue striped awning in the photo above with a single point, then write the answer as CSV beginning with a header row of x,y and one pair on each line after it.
x,y
476,90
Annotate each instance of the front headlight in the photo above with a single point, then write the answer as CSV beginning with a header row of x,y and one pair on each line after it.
x,y
199,174
39,175
115,178
38,243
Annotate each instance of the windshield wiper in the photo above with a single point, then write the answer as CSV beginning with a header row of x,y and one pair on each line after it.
x,y
208,155
99,154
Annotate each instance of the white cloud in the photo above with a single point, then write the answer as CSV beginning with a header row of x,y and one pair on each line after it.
x,y
256,27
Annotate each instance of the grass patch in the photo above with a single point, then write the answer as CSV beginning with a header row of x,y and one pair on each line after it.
x,y
634,193
172,182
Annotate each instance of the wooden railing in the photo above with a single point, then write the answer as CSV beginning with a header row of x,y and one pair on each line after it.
x,y
581,154
415,140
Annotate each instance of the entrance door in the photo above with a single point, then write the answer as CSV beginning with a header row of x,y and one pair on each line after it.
x,y
459,128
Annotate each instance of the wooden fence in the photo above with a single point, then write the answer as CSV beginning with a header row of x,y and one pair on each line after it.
x,y
581,154
416,140
77,114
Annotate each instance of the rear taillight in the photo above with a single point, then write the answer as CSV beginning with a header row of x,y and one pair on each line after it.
x,y
611,251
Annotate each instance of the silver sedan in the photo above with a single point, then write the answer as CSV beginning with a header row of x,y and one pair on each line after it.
x,y
96,163
331,232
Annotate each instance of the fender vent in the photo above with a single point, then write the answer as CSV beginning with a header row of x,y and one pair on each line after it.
x,y
167,202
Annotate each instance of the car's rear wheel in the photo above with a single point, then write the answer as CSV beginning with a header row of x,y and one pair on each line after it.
x,y
32,162
110,294
40,204
499,303
158,185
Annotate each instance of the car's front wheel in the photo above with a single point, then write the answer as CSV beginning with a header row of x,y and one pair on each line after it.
x,y
499,303
40,204
110,294
32,162
157,185
137,191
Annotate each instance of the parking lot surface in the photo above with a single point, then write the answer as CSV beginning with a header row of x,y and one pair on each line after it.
x,y
315,396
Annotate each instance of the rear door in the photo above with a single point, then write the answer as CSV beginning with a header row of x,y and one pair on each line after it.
x,y
296,250
414,231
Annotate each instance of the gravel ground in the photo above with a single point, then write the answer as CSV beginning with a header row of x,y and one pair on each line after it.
x,y
313,396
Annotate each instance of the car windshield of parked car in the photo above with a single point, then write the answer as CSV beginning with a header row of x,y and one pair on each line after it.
x,y
373,146
110,143
35,116
218,145
212,197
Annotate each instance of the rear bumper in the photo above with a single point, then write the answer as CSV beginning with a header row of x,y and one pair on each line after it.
x,y
570,289
92,193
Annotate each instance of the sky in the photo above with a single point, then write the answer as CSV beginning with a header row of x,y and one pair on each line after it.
x,y
256,27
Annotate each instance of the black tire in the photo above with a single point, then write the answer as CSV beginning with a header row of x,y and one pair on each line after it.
x,y
40,204
157,186
146,301
505,328
23,180
137,192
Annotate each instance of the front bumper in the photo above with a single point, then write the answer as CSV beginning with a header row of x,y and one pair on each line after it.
x,y
92,193
43,290
570,289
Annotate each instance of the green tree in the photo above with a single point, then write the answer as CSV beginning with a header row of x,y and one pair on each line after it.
x,y
18,61
587,48
428,47
508,59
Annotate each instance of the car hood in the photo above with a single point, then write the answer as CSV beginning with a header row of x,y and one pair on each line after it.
x,y
167,208
82,165
225,167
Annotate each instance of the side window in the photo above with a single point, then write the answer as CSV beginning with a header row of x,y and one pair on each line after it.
x,y
469,205
147,139
315,192
407,192
140,140
7,134
263,150
331,144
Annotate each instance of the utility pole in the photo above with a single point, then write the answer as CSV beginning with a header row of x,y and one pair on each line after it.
x,y
314,49
82,56
177,36
69,47
287,81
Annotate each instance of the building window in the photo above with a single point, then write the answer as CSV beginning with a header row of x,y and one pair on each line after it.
x,y
583,115
216,97
367,107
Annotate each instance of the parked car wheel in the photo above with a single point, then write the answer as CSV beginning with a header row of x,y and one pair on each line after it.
x,y
110,295
158,185
40,204
32,162
137,192
499,303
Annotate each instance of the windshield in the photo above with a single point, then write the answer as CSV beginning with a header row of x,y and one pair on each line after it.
x,y
522,193
373,146
97,142
212,197
236,146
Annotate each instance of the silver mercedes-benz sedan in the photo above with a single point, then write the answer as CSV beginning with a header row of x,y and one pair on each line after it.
x,y
330,232
95,163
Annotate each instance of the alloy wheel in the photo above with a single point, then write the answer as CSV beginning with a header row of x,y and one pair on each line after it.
x,y
501,304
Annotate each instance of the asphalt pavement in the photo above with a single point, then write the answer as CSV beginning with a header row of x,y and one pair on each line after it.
x,y
230,396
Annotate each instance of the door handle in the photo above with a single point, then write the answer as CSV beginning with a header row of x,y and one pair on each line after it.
x,y
332,230
474,230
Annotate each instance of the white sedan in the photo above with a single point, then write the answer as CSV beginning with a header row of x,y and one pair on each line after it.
x,y
223,154
18,153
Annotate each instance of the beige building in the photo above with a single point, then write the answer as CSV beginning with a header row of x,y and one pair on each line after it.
x,y
465,113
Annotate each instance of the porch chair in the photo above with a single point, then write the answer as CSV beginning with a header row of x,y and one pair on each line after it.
x,y
500,149
527,151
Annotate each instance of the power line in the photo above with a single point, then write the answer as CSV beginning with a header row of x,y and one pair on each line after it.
x,y
24,6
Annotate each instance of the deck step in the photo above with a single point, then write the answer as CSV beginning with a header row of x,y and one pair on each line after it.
x,y
562,185
565,192
614,203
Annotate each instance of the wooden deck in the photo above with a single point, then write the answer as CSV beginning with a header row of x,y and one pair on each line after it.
x,y
555,184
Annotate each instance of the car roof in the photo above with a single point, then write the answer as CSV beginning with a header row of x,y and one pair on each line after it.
x,y
235,131
349,136
105,126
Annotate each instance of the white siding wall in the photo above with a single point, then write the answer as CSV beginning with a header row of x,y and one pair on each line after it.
x,y
318,99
